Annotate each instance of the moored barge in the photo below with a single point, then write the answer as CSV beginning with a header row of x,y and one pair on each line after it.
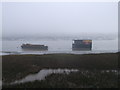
x,y
34,47
82,45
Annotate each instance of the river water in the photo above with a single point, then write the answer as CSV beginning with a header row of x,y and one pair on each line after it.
x,y
59,45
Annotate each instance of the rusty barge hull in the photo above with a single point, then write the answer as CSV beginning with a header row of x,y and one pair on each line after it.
x,y
82,45
34,47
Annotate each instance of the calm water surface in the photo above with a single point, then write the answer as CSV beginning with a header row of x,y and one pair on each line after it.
x,y
60,45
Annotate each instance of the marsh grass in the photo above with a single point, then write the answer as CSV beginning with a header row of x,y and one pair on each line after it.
x,y
15,67
91,79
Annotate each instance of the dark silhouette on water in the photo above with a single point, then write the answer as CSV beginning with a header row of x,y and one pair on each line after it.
x,y
34,47
82,45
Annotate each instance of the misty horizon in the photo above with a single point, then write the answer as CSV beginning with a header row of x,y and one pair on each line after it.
x,y
63,18
93,36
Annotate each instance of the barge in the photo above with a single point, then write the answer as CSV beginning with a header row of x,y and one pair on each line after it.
x,y
82,45
34,47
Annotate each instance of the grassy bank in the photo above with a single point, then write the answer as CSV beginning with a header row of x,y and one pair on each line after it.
x,y
18,66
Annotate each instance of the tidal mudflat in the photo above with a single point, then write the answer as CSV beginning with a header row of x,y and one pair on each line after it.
x,y
95,70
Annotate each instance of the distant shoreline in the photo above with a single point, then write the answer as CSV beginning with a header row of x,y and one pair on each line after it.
x,y
27,53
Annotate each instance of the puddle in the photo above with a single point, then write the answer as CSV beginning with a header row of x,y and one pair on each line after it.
x,y
43,73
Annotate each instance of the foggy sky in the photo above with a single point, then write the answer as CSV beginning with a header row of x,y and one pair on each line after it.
x,y
54,18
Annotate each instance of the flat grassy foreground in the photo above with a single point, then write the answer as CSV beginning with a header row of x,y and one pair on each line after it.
x,y
16,67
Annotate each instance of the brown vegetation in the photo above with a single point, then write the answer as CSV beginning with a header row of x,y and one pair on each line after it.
x,y
18,66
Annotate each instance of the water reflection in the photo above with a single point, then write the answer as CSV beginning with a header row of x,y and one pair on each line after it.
x,y
43,73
